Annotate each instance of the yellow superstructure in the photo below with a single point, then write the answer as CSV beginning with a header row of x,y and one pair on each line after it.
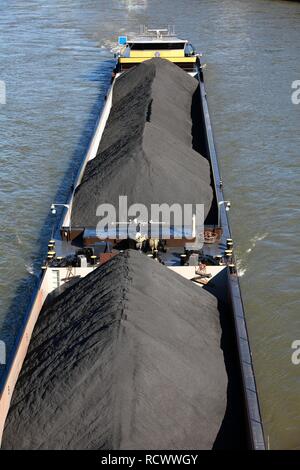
x,y
166,46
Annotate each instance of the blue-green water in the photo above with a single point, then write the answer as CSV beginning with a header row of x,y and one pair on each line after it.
x,y
56,62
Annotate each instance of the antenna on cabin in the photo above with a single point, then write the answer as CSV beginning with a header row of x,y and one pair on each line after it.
x,y
158,32
171,30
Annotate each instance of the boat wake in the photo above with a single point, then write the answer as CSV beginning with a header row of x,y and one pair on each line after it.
x,y
19,241
241,269
254,240
242,260
33,268
30,269
135,4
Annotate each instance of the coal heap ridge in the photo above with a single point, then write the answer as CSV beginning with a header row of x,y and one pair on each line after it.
x,y
129,357
146,151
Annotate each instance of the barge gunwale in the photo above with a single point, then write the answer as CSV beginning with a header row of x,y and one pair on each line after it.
x,y
16,358
65,221
256,434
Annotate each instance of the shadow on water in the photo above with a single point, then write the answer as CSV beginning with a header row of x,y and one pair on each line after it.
x,y
25,291
232,434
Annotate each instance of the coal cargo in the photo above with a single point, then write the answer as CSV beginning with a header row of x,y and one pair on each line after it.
x,y
146,151
129,357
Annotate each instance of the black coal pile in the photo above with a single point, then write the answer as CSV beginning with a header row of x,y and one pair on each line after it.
x,y
146,151
129,357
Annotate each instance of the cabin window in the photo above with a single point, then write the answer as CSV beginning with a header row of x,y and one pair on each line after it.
x,y
189,50
155,46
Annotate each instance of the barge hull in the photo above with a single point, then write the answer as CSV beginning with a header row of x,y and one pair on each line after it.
x,y
255,429
256,435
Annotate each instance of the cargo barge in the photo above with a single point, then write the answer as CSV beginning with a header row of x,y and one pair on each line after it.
x,y
76,249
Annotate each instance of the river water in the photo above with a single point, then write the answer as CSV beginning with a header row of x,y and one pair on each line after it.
x,y
56,60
